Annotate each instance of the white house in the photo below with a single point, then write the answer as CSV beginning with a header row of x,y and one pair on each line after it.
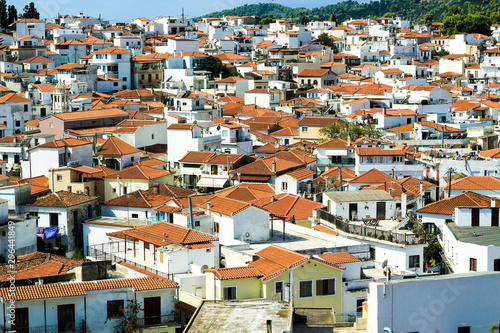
x,y
358,205
113,62
55,154
263,98
295,182
467,301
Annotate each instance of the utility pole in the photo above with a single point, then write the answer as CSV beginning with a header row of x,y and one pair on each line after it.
x,y
449,181
340,178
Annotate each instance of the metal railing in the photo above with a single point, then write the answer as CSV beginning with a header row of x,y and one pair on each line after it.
x,y
163,320
106,251
373,232
69,328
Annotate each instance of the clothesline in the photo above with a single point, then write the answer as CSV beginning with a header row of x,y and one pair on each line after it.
x,y
46,232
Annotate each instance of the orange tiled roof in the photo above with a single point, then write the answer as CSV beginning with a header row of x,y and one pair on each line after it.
x,y
235,272
140,172
372,176
116,147
475,183
338,258
301,173
63,199
81,288
447,206
289,206
327,230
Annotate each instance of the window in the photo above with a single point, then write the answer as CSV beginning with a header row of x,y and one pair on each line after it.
x,y
59,177
496,265
473,264
414,261
216,227
115,84
464,329
25,107
18,123
114,190
278,287
135,216
305,288
124,79
304,129
54,219
284,186
152,136
230,293
325,287
196,223
119,56
115,308
132,158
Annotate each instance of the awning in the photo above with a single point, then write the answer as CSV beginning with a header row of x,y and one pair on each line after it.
x,y
211,182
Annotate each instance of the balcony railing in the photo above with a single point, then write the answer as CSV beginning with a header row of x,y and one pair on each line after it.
x,y
373,232
162,320
69,328
341,161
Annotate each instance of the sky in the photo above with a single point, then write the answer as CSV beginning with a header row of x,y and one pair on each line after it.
x,y
127,10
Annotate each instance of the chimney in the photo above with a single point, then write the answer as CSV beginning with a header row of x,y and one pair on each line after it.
x,y
385,111
156,188
493,202
209,205
269,326
274,165
268,89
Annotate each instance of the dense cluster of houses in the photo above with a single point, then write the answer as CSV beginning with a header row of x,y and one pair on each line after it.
x,y
199,195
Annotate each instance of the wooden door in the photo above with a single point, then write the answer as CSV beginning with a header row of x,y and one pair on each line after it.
x,y
21,324
66,318
381,210
152,310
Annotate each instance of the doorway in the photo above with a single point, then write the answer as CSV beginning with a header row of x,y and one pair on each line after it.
x,y
22,323
353,211
152,310
66,318
380,210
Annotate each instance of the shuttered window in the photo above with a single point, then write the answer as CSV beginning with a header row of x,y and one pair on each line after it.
x,y
325,287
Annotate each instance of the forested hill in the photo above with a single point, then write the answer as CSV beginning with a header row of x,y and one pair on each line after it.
x,y
410,9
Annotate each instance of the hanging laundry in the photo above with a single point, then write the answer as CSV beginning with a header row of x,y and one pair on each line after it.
x,y
50,232
40,232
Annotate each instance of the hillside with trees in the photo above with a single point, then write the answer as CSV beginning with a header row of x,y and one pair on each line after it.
x,y
416,10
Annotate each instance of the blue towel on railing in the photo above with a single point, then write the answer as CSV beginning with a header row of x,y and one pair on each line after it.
x,y
50,232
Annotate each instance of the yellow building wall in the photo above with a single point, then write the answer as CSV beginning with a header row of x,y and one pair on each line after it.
x,y
132,185
317,271
246,288
269,287
71,178
305,223
312,134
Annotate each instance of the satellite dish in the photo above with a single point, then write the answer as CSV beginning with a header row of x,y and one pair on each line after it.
x,y
202,269
276,145
384,264
333,179
218,127
195,122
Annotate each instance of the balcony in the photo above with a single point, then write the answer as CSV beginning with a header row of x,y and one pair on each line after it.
x,y
335,161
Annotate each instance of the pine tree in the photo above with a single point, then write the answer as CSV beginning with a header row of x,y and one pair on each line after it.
x,y
12,11
4,23
30,11
333,17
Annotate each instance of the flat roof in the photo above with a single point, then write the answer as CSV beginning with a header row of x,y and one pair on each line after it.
x,y
241,316
116,221
484,236
297,241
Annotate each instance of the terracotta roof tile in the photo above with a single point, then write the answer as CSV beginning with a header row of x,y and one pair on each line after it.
x,y
371,176
447,206
81,288
338,258
235,272
301,173
324,229
475,183
116,147
141,172
63,199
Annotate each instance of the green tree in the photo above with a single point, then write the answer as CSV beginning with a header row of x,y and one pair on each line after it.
x,y
428,18
30,11
304,20
128,316
214,66
471,23
266,21
389,14
441,53
431,252
12,14
4,19
333,17
341,129
324,39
